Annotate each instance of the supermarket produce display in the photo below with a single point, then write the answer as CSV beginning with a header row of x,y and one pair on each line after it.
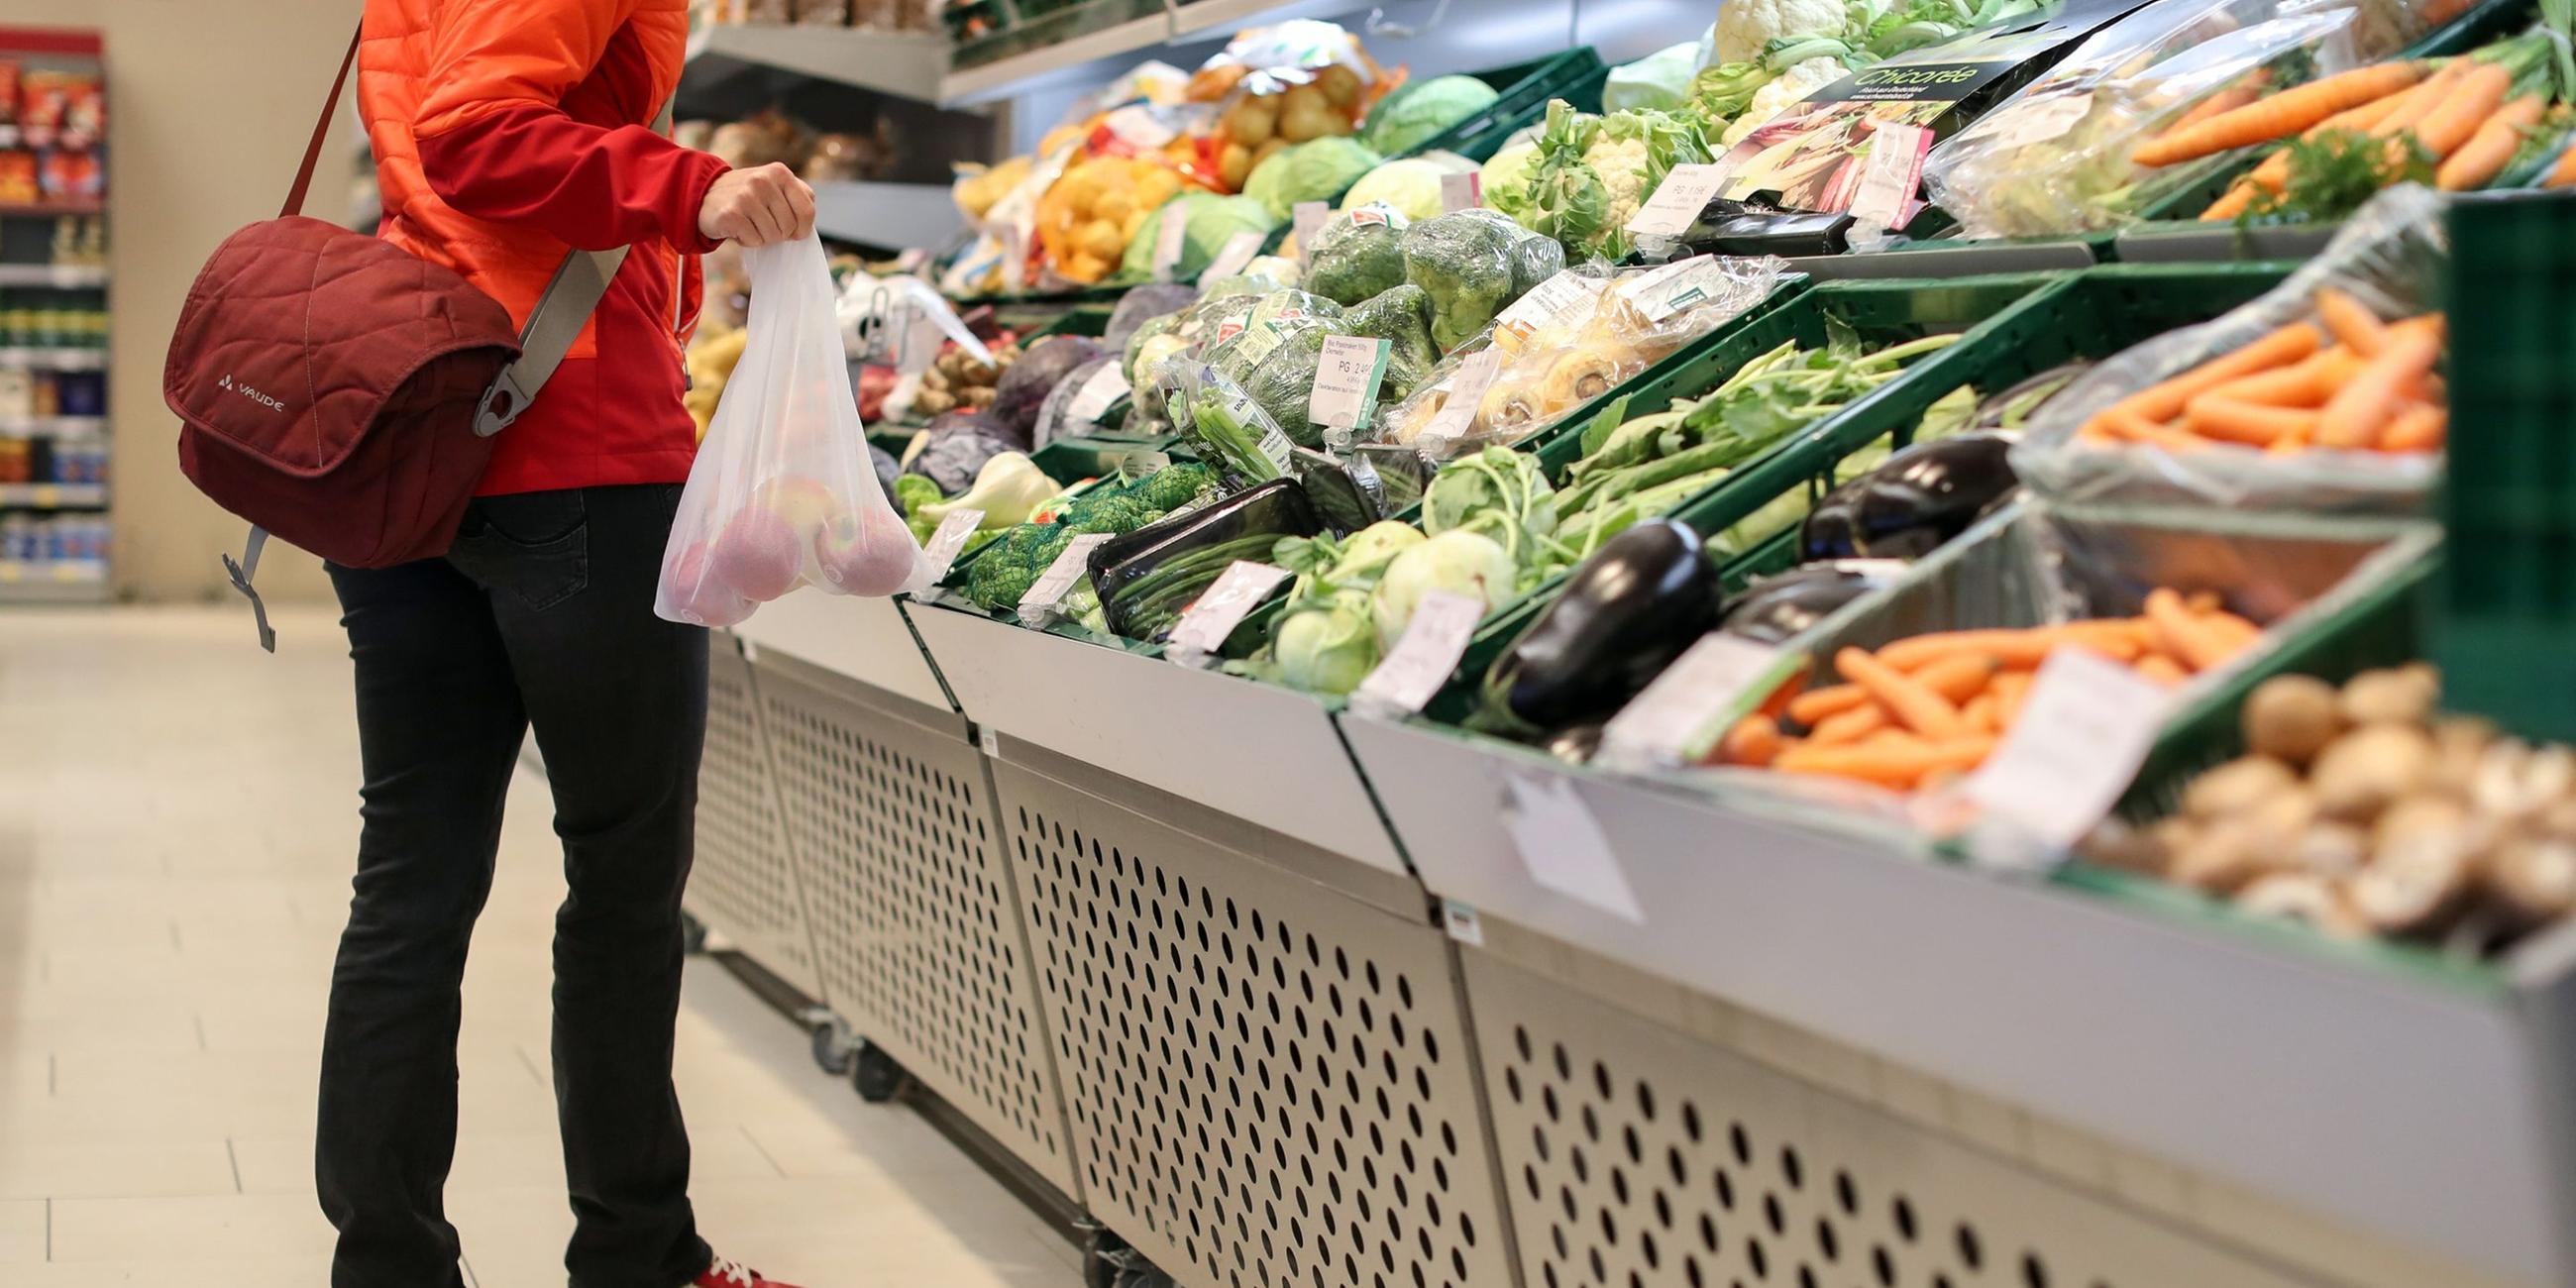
x,y
1608,672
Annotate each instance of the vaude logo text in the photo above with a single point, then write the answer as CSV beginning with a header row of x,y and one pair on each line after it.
x,y
247,392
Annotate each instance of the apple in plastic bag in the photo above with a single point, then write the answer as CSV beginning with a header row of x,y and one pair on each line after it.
x,y
696,596
756,554
867,553
803,502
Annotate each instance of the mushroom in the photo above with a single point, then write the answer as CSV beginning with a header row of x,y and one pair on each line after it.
x,y
2424,852
2403,695
2291,718
2458,742
2366,769
2331,849
2305,897
2515,781
2231,851
2238,785
2534,877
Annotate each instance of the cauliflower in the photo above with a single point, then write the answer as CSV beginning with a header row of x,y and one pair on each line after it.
x,y
1622,164
1744,27
1782,94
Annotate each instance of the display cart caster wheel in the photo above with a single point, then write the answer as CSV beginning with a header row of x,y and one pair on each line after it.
x,y
1104,1254
693,935
832,1044
876,1075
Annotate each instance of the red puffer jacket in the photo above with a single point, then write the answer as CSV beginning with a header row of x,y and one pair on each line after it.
x,y
506,132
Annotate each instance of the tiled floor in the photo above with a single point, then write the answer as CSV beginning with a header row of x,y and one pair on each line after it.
x,y
177,814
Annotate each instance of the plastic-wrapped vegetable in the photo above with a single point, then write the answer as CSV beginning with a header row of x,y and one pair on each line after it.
x,y
1143,304
1025,387
1149,576
1055,418
1465,263
1411,185
1400,315
1133,352
1235,433
955,447
1283,383
1358,254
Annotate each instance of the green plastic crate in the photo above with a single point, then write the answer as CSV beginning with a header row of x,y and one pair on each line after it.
x,y
1525,89
2509,612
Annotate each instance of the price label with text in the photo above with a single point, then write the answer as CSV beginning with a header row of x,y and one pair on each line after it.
x,y
1170,242
1467,386
1557,300
1347,377
2082,733
1277,446
1238,251
950,537
1140,127
1462,191
1678,200
1223,606
1053,584
1434,638
1100,392
1714,681
1563,846
1683,284
1892,175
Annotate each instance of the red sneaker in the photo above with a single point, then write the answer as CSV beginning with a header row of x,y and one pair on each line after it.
x,y
728,1273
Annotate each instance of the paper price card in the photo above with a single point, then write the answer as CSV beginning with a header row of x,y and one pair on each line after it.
x,y
1100,393
1467,388
1169,243
1677,201
1238,251
1140,127
1347,377
1275,444
1310,216
1434,638
1052,585
1710,684
1563,846
941,554
1222,607
2082,733
1894,171
1462,191
1547,304
1660,293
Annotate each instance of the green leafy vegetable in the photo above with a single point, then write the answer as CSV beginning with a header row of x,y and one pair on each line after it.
x,y
2338,171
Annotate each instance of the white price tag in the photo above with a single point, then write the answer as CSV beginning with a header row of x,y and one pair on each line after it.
x,y
2042,120
1562,845
1276,445
1258,342
1347,377
1069,566
1434,638
1891,175
1138,464
1467,386
1714,681
1239,250
1140,127
1462,922
1677,201
1660,293
950,537
1099,393
1462,191
1555,300
1170,240
1310,216
1222,607
2081,735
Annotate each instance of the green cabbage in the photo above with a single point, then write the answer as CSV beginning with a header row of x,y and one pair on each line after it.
x,y
1212,220
1313,171
1410,186
1409,117
1507,178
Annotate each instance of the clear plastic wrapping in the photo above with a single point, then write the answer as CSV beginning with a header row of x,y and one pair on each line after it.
x,y
2055,157
2390,257
1556,360
783,493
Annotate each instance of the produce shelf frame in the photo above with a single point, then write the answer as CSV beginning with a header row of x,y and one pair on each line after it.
x,y
1271,1076
743,885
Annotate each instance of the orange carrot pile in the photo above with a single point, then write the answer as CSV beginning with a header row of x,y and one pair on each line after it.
x,y
1933,706
2347,380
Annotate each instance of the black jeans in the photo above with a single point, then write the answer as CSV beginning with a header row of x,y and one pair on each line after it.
x,y
541,615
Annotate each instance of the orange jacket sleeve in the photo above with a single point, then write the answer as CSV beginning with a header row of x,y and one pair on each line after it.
x,y
495,142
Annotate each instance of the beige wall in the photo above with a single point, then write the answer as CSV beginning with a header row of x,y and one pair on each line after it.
x,y
209,104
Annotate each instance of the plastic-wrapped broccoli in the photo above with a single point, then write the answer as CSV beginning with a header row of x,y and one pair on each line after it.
x,y
1534,258
1401,316
1283,383
1358,254
1153,328
1279,316
1465,262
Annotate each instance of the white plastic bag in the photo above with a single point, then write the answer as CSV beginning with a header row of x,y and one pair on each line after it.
x,y
782,493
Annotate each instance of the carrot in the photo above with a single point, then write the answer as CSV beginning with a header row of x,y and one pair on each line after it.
x,y
2365,405
2380,119
2420,428
1899,765
2011,688
1815,704
2237,632
2563,172
2230,203
2112,425
2211,416
2301,384
1913,704
1958,677
2162,669
2203,602
2448,126
2225,100
2351,321
1849,726
1984,713
2163,400
2483,157
2283,114
2023,648
1753,740
2185,635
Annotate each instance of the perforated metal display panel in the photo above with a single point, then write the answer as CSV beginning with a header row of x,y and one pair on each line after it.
x,y
742,885
1637,1157
1270,1083
916,925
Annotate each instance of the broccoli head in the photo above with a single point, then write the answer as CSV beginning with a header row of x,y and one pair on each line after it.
x,y
1358,254
1283,383
1464,262
1401,316
1174,486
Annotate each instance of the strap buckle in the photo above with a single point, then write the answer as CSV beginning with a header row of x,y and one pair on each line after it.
x,y
501,404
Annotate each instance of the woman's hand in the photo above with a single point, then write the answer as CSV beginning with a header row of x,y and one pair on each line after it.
x,y
757,206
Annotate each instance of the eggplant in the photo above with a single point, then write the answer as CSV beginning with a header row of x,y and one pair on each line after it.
x,y
2011,409
1912,503
1729,227
1146,578
1628,611
1776,609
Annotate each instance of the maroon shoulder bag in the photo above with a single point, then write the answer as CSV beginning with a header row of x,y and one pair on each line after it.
x,y
341,393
